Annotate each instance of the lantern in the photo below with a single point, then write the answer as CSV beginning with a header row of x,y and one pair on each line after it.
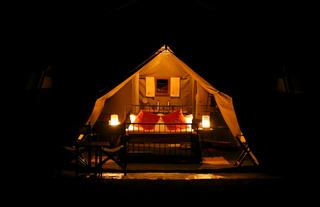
x,y
205,121
114,120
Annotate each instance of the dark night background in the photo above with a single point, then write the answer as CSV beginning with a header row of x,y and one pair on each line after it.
x,y
240,48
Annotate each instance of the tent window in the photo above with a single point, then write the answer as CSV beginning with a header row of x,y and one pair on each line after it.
x,y
175,87
150,90
162,87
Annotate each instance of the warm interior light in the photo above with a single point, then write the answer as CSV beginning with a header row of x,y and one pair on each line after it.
x,y
132,118
205,121
80,137
114,120
189,119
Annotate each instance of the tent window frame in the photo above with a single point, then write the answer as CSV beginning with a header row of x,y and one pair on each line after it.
x,y
162,88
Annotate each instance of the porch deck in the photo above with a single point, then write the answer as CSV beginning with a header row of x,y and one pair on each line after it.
x,y
215,158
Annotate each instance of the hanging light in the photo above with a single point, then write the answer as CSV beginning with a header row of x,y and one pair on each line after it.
x,y
205,121
114,120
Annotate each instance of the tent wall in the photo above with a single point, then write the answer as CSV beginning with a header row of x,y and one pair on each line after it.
x,y
185,98
202,100
117,103
162,66
225,104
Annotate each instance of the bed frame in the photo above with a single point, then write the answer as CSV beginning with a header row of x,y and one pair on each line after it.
x,y
170,146
158,108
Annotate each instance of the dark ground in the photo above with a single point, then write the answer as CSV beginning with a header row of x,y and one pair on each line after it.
x,y
239,48
249,192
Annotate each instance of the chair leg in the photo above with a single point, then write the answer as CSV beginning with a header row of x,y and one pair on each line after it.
x,y
111,156
240,157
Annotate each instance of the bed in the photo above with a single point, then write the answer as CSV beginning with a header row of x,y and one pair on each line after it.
x,y
162,136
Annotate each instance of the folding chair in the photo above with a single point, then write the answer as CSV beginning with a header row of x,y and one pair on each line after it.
x,y
245,151
114,154
75,159
112,146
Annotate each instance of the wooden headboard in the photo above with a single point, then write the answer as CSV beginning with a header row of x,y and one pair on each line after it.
x,y
163,109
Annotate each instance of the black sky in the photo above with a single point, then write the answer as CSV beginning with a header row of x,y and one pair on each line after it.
x,y
240,48
90,42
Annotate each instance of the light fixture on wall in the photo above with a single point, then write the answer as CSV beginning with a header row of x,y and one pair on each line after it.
x,y
205,121
114,120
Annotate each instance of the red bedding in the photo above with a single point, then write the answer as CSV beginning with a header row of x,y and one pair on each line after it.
x,y
175,118
172,120
147,117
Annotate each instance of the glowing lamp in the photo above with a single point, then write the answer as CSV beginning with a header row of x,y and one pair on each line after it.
x,y
188,119
80,137
132,118
114,120
205,121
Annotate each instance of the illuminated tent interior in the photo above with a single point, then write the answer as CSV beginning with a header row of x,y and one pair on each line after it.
x,y
165,80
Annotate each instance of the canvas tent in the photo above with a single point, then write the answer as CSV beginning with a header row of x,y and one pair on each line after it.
x,y
186,87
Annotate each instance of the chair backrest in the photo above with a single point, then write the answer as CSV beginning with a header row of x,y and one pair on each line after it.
x,y
107,133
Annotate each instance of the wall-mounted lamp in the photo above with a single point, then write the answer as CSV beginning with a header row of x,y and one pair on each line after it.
x,y
114,120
